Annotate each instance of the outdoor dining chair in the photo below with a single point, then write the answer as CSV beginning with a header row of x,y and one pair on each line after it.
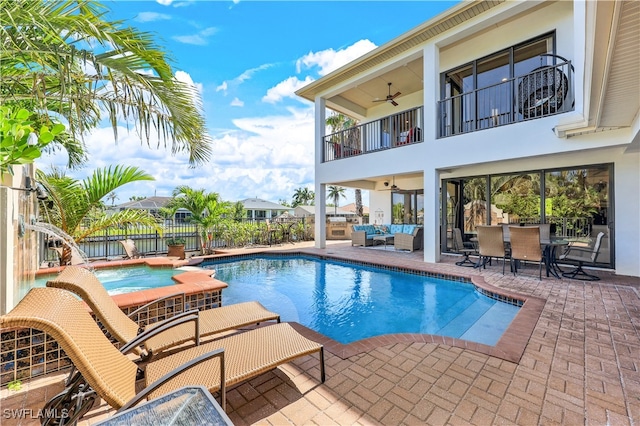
x,y
121,327
582,255
461,248
105,372
525,246
490,244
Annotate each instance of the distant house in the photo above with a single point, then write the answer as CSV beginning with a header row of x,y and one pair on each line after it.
x,y
153,205
258,209
308,211
352,208
304,211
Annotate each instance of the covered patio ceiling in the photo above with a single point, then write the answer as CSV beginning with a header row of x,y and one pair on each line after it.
x,y
405,78
405,181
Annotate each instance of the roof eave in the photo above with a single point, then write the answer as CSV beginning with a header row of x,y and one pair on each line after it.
x,y
401,43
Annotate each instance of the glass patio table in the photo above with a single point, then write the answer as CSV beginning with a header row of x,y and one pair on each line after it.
x,y
187,406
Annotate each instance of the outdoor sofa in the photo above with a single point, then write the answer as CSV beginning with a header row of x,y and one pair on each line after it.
x,y
405,236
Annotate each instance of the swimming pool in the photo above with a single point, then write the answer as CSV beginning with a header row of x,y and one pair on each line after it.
x,y
119,280
349,302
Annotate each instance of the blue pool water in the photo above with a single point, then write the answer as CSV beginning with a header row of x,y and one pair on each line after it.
x,y
127,279
351,302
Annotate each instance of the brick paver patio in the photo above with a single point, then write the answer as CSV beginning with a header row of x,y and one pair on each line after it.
x,y
580,366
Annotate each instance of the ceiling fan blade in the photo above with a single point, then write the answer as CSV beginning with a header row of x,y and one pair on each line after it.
x,y
394,103
397,94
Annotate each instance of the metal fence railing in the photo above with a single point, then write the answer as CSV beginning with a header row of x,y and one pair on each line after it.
x,y
228,234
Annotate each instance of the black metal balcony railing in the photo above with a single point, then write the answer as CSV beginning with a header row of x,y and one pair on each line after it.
x,y
404,128
546,91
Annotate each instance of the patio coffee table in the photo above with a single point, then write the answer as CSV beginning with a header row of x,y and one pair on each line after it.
x,y
386,239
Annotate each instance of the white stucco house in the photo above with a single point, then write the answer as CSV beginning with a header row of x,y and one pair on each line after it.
x,y
258,209
492,112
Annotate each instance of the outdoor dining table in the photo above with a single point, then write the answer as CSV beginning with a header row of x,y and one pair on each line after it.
x,y
549,253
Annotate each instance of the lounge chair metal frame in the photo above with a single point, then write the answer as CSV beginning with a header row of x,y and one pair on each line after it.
x,y
105,372
123,329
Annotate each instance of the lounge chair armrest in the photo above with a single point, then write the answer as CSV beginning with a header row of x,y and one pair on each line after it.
x,y
177,371
176,320
160,299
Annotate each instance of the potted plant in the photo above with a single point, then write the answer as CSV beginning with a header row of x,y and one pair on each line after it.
x,y
176,247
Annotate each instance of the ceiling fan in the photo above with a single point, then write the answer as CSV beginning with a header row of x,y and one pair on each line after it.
x,y
390,98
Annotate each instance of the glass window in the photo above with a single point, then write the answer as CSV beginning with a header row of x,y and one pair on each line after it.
x,y
407,207
528,57
515,199
482,94
474,203
577,204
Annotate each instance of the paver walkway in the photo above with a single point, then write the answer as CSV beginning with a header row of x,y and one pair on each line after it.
x,y
580,366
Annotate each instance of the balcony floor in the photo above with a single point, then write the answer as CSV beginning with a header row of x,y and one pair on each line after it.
x,y
580,366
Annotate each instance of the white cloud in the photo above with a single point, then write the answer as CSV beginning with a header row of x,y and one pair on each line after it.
x,y
201,38
330,60
185,77
285,89
268,157
246,75
165,2
151,17
222,87
264,156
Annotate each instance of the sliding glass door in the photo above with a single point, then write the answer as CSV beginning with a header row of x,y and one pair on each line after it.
x,y
575,201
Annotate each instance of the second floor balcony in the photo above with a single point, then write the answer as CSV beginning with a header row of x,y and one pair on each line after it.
x,y
545,91
404,128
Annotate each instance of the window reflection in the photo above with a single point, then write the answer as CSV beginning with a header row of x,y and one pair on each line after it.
x,y
576,203
408,207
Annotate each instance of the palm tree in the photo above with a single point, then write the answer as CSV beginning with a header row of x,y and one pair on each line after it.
x,y
237,211
359,208
197,201
113,197
335,192
339,122
302,197
217,212
71,201
64,58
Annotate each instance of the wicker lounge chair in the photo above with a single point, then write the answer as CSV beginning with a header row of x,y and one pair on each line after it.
x,y
76,258
104,372
130,249
525,246
121,327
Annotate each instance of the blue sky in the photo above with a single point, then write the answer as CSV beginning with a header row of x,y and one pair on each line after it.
x,y
247,58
